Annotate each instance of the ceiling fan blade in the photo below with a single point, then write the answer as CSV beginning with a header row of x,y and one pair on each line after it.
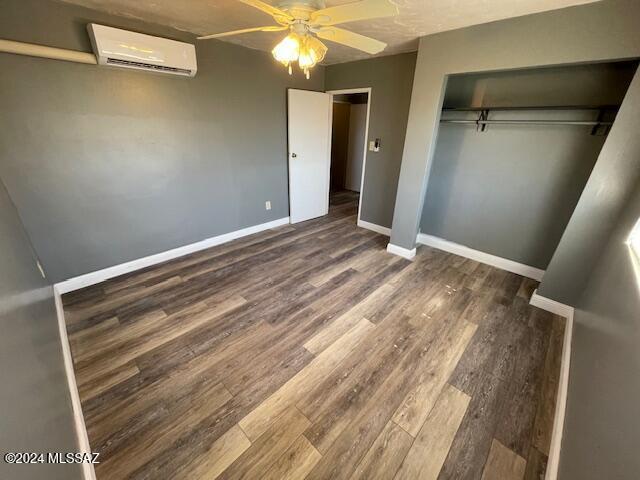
x,y
351,12
273,28
269,9
350,39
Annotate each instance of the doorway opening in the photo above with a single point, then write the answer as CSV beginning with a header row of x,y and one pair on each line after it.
x,y
349,134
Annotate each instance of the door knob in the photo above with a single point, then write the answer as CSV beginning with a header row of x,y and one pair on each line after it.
x,y
293,155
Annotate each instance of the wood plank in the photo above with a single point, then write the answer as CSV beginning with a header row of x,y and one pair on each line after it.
x,y
295,463
151,352
105,360
259,420
332,332
503,464
536,465
530,345
343,457
97,312
89,335
94,387
432,378
337,400
265,451
101,343
432,443
471,445
545,413
197,438
143,446
224,451
385,455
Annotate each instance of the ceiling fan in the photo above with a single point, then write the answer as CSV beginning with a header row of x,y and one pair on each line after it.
x,y
309,20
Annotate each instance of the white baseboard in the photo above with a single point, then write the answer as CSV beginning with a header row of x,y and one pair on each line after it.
x,y
552,306
482,257
92,278
76,406
401,251
376,228
563,386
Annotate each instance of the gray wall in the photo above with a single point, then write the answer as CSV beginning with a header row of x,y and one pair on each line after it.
x,y
107,166
511,190
34,399
339,144
390,79
601,430
602,426
614,177
600,31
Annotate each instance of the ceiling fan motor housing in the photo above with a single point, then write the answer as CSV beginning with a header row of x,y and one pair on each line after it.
x,y
301,10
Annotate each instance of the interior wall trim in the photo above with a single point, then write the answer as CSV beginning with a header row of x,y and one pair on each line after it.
x,y
482,257
566,311
368,91
374,227
98,276
552,306
401,251
88,471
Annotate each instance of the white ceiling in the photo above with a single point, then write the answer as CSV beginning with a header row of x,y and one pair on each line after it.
x,y
416,18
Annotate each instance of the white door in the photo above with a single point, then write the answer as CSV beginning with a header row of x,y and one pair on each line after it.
x,y
309,154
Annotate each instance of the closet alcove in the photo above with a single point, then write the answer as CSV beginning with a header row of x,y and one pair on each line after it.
x,y
514,152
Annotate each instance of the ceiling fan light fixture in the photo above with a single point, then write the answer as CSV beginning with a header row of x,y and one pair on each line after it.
x,y
288,50
307,50
312,51
308,20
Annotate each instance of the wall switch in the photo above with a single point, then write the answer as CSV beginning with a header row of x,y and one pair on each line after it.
x,y
267,205
374,145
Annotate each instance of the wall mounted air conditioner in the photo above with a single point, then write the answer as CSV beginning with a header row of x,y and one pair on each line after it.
x,y
121,48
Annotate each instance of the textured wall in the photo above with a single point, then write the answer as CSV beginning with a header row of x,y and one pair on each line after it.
x,y
34,399
601,31
107,166
390,80
613,179
339,144
511,190
357,143
602,426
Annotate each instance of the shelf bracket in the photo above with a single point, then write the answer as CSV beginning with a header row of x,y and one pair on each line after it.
x,y
599,129
480,125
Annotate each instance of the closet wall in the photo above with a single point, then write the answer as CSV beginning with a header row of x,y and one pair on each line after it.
x,y
339,144
35,403
348,140
510,190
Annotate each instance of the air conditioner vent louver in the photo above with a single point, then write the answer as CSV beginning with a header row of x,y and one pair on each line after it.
x,y
162,68
118,48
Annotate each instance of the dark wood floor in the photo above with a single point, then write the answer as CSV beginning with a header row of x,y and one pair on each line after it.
x,y
308,351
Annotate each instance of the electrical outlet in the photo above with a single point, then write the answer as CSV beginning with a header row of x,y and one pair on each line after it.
x,y
267,205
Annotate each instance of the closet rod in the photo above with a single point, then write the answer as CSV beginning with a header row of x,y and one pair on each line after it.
x,y
543,107
528,122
